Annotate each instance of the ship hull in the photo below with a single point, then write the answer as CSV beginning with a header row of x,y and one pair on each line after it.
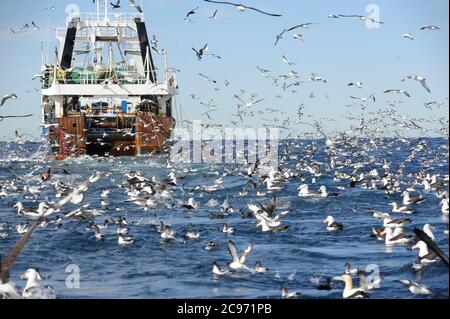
x,y
76,136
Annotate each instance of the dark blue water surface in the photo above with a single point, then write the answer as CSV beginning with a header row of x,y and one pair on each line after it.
x,y
153,268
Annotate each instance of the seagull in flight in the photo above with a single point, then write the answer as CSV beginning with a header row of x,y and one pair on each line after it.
x,y
242,7
419,78
215,15
280,36
301,25
2,117
357,84
398,92
207,78
430,27
201,52
362,18
135,5
287,61
193,11
116,5
408,36
35,26
249,104
11,96
364,99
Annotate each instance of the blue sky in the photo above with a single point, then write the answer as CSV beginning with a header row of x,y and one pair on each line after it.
x,y
340,50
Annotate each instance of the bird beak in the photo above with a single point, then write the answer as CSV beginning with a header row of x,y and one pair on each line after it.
x,y
414,247
23,276
338,278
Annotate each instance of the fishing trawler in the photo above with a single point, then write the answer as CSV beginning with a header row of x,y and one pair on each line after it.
x,y
102,95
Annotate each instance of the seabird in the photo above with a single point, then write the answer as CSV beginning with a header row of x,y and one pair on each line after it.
x,y
285,293
193,11
350,292
238,262
228,230
115,5
349,270
445,206
397,223
425,257
415,288
407,200
402,209
215,14
419,78
217,270
33,290
408,36
123,241
11,96
242,7
332,225
135,5
357,84
190,204
397,91
287,61
259,268
396,237
323,192
430,27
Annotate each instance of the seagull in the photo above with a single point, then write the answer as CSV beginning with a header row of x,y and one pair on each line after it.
x,y
35,27
419,78
248,104
193,11
357,84
215,15
397,91
364,99
280,36
415,287
11,96
286,294
201,52
333,16
217,270
242,7
430,27
362,18
408,36
349,291
2,117
297,36
135,5
332,225
238,262
287,61
207,78
302,25
116,5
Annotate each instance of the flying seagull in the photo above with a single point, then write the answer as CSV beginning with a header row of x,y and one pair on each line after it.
x,y
242,7
201,52
193,11
116,5
408,36
35,26
7,97
215,14
301,25
398,92
280,36
13,116
362,18
135,5
419,78
430,27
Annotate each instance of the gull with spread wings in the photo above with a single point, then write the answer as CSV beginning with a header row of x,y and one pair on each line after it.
x,y
241,7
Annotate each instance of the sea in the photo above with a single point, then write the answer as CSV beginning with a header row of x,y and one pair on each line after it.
x,y
77,265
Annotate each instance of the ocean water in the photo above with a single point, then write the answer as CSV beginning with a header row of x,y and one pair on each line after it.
x,y
182,268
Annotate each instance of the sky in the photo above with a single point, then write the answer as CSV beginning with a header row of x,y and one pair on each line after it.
x,y
340,50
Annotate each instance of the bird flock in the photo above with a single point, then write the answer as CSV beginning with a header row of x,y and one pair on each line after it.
x,y
268,200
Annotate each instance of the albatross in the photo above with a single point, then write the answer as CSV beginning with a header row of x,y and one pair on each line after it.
x,y
11,96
